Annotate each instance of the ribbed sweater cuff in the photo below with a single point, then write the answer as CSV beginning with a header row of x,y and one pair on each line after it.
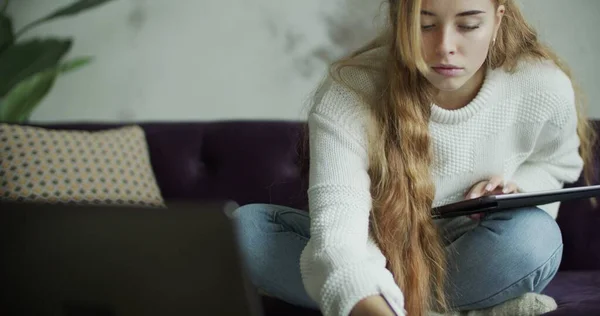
x,y
344,289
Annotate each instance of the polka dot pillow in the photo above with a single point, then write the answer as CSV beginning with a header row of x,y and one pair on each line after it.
x,y
81,167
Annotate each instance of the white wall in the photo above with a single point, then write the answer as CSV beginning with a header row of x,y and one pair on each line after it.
x,y
572,28
251,59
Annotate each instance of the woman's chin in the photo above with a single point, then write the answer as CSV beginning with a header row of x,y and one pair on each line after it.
x,y
449,84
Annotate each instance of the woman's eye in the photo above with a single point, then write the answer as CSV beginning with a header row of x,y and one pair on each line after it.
x,y
427,27
469,27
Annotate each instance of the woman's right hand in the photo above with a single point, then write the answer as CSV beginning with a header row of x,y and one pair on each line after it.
x,y
494,186
372,306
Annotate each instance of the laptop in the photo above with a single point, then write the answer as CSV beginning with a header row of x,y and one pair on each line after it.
x,y
108,261
496,203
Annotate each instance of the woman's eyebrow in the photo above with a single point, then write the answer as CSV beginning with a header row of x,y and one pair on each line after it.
x,y
465,13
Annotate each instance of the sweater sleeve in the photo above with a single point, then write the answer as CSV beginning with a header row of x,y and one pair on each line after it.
x,y
341,263
555,158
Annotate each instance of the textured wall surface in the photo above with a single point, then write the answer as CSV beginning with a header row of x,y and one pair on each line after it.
x,y
251,59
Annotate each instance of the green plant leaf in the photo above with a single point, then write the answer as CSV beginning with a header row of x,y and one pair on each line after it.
x,y
75,8
25,59
72,9
74,64
25,96
7,37
3,6
20,102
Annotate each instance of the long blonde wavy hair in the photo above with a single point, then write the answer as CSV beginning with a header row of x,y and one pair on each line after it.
x,y
400,151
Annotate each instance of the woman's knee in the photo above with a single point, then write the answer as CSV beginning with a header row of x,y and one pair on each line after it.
x,y
252,213
509,254
252,221
255,222
532,233
532,240
271,242
271,218
252,226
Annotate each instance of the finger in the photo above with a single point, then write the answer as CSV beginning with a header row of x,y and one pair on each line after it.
x,y
475,216
510,188
477,190
494,183
497,191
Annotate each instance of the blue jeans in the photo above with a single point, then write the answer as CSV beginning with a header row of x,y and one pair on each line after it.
x,y
502,256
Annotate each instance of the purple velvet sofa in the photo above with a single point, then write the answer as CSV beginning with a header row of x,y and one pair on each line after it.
x,y
259,162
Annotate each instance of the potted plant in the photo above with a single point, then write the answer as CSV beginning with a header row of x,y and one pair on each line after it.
x,y
29,68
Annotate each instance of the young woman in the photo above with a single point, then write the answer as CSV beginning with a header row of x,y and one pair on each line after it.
x,y
455,100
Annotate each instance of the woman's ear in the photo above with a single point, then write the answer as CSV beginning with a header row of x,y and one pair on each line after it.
x,y
499,15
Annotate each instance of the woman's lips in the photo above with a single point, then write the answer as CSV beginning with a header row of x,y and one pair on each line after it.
x,y
448,71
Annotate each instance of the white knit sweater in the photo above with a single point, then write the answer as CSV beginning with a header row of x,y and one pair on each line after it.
x,y
521,126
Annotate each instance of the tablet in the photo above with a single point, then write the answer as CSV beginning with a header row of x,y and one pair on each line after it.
x,y
494,203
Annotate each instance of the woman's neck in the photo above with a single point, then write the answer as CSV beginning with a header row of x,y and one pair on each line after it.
x,y
453,100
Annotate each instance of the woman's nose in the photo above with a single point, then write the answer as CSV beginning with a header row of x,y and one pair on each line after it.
x,y
446,43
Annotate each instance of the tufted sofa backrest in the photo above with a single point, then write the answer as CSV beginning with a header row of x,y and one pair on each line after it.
x,y
259,162
245,161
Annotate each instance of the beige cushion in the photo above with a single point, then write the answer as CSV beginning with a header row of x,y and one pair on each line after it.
x,y
102,167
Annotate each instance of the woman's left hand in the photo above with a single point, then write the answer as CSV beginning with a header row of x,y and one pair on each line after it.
x,y
494,186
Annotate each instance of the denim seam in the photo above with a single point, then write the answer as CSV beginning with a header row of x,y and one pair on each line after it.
x,y
300,237
517,282
277,214
286,229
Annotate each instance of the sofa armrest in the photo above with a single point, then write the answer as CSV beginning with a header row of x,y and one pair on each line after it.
x,y
580,226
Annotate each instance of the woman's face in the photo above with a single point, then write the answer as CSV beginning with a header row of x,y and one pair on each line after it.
x,y
457,35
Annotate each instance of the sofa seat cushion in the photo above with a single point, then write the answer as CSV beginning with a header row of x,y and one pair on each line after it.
x,y
276,307
576,293
110,167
